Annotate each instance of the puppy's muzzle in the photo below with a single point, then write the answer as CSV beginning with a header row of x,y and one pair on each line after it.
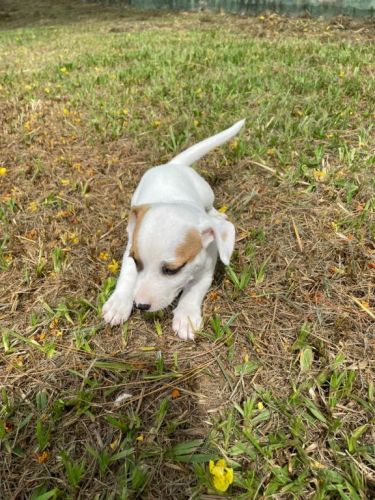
x,y
143,307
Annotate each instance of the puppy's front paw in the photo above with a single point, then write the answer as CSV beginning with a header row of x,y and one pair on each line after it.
x,y
186,323
117,309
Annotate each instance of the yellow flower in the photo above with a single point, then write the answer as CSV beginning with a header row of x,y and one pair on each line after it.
x,y
32,206
196,123
115,443
47,90
103,256
42,335
65,111
157,123
54,323
3,170
74,238
233,145
221,474
8,258
63,70
223,209
28,87
140,437
113,266
320,175
62,214
65,182
337,270
125,111
19,361
260,406
317,465
42,457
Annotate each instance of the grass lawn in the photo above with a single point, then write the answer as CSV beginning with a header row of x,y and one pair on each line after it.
x,y
280,382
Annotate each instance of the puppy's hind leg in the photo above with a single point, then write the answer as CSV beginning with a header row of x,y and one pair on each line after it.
x,y
118,307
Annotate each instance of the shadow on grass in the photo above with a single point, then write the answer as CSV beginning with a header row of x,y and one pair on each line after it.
x,y
35,13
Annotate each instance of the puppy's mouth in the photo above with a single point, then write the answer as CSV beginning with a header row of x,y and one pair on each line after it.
x,y
160,307
169,305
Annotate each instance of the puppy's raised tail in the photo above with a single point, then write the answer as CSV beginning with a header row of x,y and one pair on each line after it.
x,y
194,153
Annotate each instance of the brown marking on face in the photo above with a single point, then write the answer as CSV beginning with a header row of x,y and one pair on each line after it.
x,y
188,249
138,212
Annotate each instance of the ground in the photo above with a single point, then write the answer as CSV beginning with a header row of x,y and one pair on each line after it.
x,y
280,382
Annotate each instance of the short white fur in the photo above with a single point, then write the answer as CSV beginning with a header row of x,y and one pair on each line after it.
x,y
179,201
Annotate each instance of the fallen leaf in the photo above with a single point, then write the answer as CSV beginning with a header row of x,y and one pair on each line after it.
x,y
175,393
42,457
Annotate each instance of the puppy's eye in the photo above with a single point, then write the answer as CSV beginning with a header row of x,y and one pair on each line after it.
x,y
169,271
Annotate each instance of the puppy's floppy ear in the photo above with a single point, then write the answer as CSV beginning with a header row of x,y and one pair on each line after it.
x,y
131,223
135,218
221,231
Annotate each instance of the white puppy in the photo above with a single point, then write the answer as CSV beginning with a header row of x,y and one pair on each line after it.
x,y
174,235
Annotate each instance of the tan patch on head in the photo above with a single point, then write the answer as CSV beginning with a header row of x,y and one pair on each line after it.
x,y
188,249
138,212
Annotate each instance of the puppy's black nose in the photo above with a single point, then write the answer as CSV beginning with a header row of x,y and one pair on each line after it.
x,y
143,307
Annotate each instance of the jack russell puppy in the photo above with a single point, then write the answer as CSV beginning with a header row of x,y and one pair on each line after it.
x,y
174,236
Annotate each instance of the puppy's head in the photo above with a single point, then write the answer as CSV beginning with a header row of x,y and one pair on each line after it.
x,y
172,245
